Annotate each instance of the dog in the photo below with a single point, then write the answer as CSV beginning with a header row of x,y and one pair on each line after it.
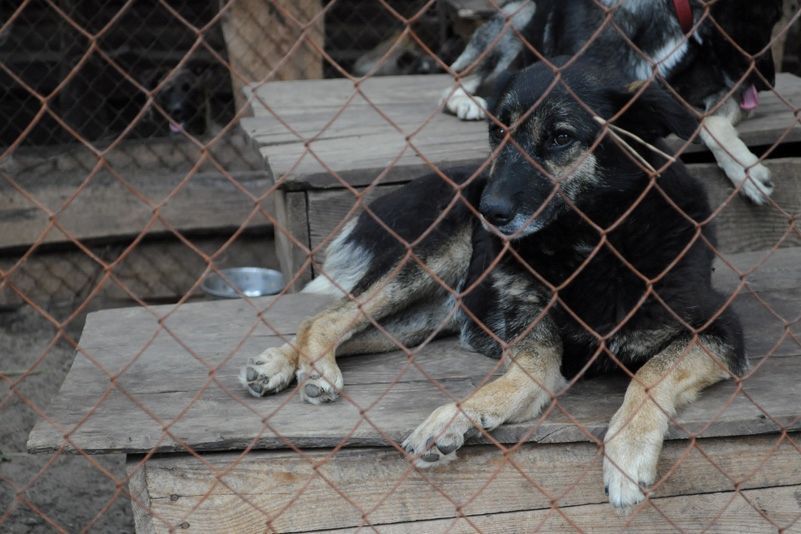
x,y
699,58
185,98
543,261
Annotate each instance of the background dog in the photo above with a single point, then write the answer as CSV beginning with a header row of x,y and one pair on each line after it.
x,y
565,259
719,67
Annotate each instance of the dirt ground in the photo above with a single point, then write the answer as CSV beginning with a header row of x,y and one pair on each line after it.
x,y
44,493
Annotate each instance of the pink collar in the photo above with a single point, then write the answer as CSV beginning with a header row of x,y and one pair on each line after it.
x,y
684,13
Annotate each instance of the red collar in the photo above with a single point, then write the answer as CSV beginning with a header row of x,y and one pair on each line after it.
x,y
684,13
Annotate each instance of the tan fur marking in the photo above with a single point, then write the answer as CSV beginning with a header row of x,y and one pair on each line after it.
x,y
520,394
634,439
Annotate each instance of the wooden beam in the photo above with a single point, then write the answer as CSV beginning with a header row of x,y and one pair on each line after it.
x,y
262,39
288,491
115,198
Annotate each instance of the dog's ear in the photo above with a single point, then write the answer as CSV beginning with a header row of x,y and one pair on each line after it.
x,y
651,112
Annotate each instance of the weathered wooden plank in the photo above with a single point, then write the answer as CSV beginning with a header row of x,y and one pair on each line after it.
x,y
286,490
412,103
261,40
141,504
166,370
155,270
740,226
743,227
104,206
765,510
107,208
292,237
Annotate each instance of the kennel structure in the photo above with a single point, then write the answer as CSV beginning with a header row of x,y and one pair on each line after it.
x,y
160,384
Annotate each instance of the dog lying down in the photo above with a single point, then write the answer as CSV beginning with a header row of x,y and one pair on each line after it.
x,y
515,263
715,55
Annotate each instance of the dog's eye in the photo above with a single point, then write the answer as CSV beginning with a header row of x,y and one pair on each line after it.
x,y
499,131
562,139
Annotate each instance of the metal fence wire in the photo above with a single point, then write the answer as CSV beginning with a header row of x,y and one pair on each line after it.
x,y
121,120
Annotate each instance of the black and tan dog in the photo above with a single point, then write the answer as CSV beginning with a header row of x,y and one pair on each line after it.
x,y
716,57
566,259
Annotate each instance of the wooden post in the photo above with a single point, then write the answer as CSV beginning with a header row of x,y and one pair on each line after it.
x,y
788,10
262,41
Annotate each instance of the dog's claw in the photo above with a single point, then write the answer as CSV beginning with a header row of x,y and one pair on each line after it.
x,y
430,457
251,374
313,391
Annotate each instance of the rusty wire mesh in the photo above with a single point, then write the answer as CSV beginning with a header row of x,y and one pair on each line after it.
x,y
145,98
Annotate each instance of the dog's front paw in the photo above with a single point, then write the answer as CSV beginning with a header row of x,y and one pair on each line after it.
x,y
320,382
758,186
436,440
270,372
630,460
466,107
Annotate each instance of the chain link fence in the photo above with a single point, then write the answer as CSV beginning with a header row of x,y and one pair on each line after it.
x,y
127,177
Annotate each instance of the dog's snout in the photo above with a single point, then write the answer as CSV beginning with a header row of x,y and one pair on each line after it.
x,y
498,211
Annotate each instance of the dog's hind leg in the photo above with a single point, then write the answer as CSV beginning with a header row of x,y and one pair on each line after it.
x,y
668,380
733,156
532,378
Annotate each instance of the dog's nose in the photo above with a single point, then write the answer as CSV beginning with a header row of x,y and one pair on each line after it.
x,y
498,211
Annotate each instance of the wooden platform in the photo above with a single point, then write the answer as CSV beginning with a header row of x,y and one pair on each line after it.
x,y
175,389
308,133
166,371
304,125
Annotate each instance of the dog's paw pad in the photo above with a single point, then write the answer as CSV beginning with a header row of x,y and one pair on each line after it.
x,y
437,439
320,388
268,373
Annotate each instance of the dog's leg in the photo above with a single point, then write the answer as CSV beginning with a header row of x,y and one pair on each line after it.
x,y
634,439
274,369
399,296
462,100
733,156
532,377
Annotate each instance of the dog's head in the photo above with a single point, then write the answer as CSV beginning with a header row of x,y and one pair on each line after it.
x,y
547,147
183,97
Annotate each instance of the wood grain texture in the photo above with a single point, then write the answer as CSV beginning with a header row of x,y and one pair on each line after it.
x,y
261,39
744,227
289,491
314,134
180,368
155,270
116,197
292,238
760,510
141,504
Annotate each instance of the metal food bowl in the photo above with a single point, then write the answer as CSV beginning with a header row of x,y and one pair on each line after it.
x,y
243,281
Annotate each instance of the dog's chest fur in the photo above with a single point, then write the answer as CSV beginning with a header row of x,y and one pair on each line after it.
x,y
599,294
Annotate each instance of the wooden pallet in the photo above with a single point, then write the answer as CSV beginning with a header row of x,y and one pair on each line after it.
x,y
164,399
